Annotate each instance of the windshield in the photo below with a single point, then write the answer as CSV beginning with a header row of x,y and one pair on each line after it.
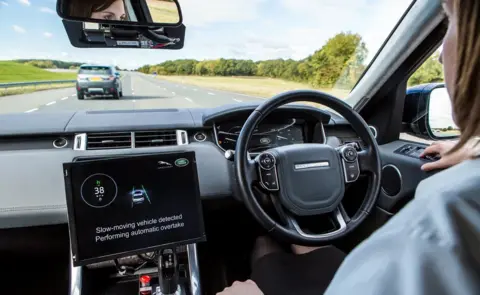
x,y
234,51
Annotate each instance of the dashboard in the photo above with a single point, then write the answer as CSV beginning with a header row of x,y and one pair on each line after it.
x,y
36,145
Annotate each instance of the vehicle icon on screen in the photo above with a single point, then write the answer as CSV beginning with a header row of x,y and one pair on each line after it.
x,y
139,196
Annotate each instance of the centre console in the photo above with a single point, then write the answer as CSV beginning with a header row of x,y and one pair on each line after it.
x,y
134,224
160,278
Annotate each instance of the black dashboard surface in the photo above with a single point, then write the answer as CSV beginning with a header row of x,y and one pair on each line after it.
x,y
31,179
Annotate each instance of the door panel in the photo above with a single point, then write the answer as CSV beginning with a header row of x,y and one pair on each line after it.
x,y
410,175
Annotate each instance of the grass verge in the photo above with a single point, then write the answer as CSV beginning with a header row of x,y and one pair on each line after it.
x,y
254,86
30,89
16,72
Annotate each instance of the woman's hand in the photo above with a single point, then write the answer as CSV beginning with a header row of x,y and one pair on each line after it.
x,y
242,288
446,161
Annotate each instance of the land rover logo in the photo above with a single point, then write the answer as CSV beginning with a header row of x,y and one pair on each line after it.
x,y
181,162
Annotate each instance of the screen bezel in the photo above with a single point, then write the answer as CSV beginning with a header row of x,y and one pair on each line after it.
x,y
77,260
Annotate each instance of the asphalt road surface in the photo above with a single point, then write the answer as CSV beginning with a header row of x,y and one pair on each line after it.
x,y
140,91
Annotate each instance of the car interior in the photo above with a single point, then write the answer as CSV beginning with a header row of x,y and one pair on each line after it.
x,y
298,173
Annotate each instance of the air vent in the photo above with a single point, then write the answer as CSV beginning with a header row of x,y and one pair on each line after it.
x,y
155,138
107,141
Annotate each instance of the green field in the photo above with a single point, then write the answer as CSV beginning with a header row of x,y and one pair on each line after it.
x,y
16,72
255,86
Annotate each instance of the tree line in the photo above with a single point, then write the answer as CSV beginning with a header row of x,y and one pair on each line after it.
x,y
430,72
340,62
50,64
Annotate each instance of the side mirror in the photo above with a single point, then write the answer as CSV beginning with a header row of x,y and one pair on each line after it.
x,y
428,112
117,74
439,117
158,13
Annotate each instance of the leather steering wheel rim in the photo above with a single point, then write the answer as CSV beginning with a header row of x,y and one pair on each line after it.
x,y
245,168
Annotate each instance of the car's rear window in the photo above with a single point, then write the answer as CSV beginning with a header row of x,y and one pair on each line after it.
x,y
95,70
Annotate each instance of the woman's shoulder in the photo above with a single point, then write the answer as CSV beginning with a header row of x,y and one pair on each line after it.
x,y
459,181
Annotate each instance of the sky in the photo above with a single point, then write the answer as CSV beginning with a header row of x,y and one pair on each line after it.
x,y
243,29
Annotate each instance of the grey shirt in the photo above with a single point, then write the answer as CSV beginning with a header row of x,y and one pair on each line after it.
x,y
432,246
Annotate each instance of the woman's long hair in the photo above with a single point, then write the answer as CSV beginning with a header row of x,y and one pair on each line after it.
x,y
466,94
85,8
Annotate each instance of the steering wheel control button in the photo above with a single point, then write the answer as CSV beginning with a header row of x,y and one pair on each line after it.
x,y
230,155
349,153
352,171
99,190
269,179
266,161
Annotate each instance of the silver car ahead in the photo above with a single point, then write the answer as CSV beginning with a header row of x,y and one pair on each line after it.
x,y
95,80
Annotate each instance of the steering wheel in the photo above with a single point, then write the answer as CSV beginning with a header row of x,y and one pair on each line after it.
x,y
307,179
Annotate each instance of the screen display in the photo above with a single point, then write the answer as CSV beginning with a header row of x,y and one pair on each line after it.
x,y
122,206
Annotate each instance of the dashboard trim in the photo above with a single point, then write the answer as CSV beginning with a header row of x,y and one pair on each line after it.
x,y
80,142
216,137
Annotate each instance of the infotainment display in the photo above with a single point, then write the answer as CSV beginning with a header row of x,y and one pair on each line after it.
x,y
127,205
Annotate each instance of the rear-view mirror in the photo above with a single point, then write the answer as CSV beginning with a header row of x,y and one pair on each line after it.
x,y
158,13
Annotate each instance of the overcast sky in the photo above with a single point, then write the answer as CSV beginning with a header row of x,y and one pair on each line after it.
x,y
251,29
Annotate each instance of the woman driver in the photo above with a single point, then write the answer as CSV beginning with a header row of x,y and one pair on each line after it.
x,y
432,246
99,9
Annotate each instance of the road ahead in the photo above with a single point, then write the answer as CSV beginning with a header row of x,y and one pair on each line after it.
x,y
140,92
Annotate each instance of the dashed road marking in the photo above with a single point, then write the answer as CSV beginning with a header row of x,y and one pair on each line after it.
x,y
134,100
133,93
32,110
237,100
50,103
194,89
188,99
173,93
74,95
65,98
210,93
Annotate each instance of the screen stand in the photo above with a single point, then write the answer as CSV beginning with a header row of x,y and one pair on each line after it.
x,y
194,270
75,279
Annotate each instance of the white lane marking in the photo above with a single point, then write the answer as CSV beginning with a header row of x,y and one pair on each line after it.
x,y
188,99
74,95
133,93
134,100
211,93
50,103
173,93
65,98
194,89
133,89
164,88
32,110
237,100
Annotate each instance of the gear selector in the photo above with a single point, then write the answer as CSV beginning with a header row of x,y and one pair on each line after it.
x,y
168,274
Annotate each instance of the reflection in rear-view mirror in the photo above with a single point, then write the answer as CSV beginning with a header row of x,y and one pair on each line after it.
x,y
99,9
163,11
154,12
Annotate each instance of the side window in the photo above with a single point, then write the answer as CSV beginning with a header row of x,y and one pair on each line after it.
x,y
430,72
428,114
